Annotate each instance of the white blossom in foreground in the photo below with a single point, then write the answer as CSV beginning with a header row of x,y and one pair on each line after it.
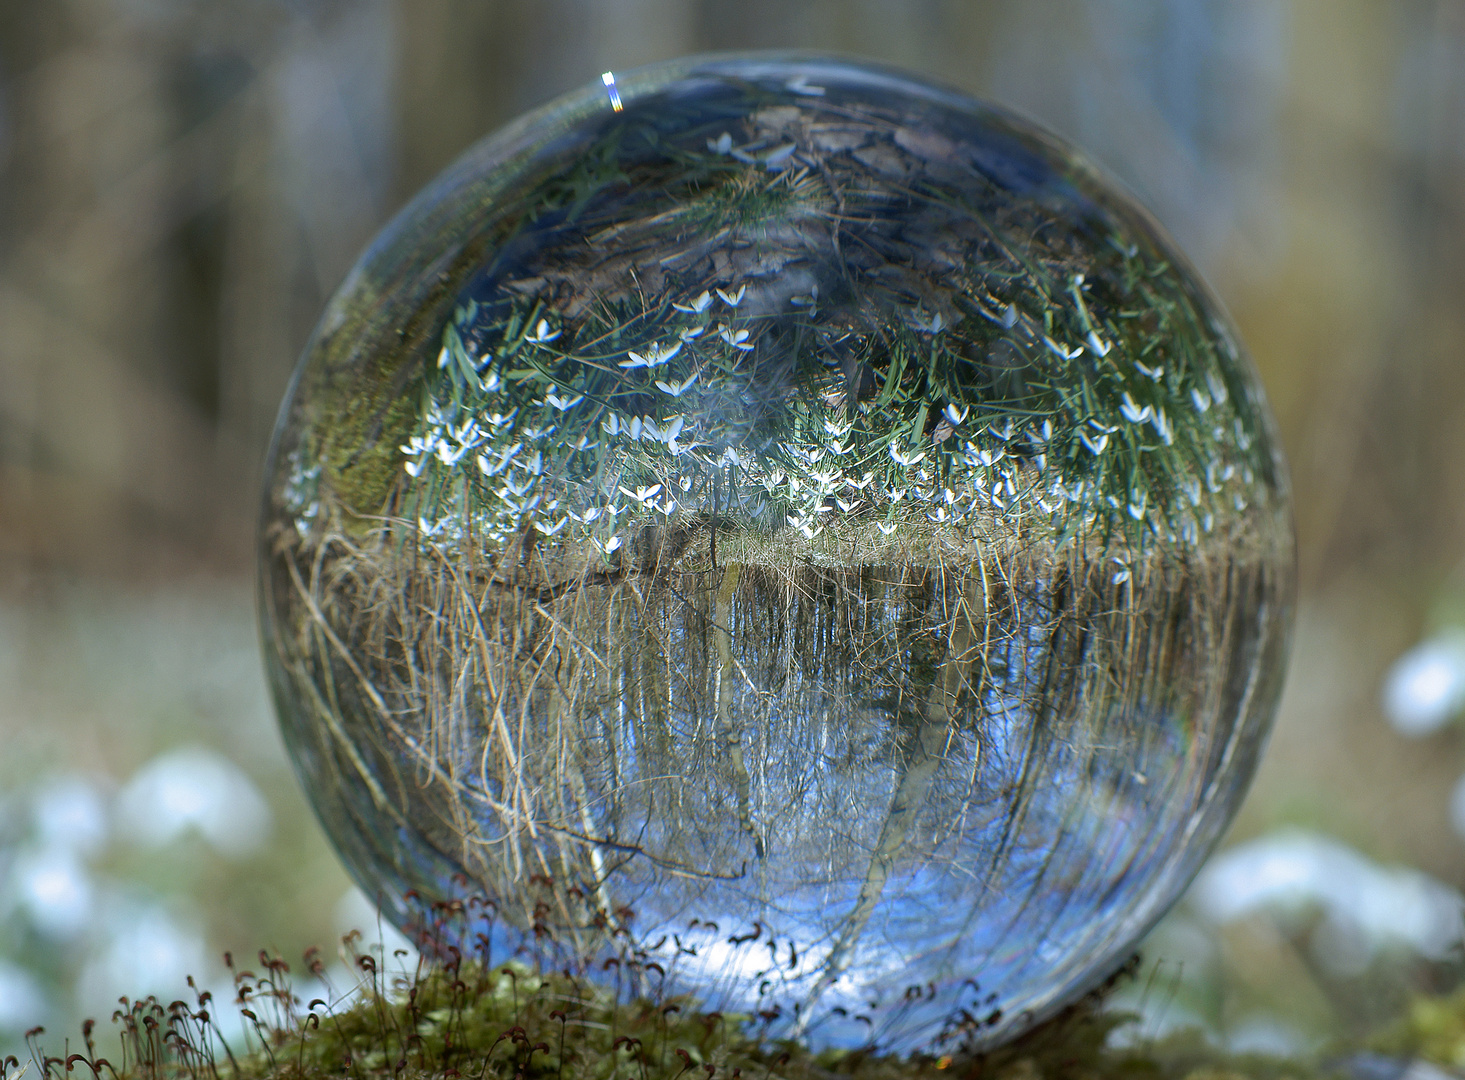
x,y
1425,688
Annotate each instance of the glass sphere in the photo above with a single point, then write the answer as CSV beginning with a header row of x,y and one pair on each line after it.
x,y
789,528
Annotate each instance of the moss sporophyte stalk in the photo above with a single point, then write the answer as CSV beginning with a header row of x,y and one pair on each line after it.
x,y
789,525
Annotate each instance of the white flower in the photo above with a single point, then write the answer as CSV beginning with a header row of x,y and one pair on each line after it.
x,y
541,333
777,159
1156,373
1161,424
700,304
1098,344
653,357
888,529
901,458
642,495
562,404
736,339
1370,908
691,332
721,145
955,415
1202,403
1132,412
733,299
1214,477
515,489
1218,388
449,456
468,433
550,530
676,389
1096,446
1062,351
932,327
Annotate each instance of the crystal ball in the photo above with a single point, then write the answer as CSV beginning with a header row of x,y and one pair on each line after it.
x,y
776,530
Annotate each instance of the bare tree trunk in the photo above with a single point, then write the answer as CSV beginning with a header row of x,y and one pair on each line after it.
x,y
917,771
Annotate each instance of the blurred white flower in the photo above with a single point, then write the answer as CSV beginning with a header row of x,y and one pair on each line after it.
x,y
146,950
655,356
704,299
1267,1035
542,334
733,299
55,891
1365,906
70,814
22,1004
1457,807
195,788
1426,686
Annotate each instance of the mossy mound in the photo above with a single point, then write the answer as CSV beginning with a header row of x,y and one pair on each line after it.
x,y
458,1020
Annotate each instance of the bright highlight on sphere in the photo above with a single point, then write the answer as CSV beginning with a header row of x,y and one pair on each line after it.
x,y
790,529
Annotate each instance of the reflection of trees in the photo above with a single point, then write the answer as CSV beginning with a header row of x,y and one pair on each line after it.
x,y
879,764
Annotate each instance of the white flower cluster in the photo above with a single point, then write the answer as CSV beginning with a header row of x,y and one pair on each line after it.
x,y
563,458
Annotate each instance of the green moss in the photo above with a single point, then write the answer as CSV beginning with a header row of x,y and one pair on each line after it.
x,y
508,1022
359,457
1433,1029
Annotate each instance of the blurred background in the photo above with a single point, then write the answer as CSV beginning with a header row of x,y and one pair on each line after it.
x,y
184,183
